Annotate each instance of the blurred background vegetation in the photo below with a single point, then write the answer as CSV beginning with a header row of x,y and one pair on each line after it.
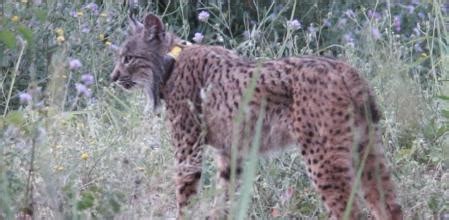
x,y
73,147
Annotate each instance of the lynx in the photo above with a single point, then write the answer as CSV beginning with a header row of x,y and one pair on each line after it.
x,y
321,106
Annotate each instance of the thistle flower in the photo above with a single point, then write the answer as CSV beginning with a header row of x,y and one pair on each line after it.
x,y
198,37
294,25
75,64
87,79
25,98
82,90
203,16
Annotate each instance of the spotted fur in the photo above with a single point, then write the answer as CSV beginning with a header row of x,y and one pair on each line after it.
x,y
321,106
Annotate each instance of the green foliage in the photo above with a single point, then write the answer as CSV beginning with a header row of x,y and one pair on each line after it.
x,y
94,154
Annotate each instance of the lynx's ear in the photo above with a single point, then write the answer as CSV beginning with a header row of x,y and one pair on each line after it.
x,y
153,26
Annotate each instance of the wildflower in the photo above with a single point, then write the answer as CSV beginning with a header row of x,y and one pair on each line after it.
x,y
101,37
87,79
327,23
341,22
423,55
294,24
59,168
24,1
25,98
397,23
82,89
418,48
374,15
114,47
203,16
92,6
108,43
349,40
350,13
410,8
140,168
60,39
85,28
75,64
198,37
73,14
312,29
59,31
79,14
375,33
15,18
84,156
103,14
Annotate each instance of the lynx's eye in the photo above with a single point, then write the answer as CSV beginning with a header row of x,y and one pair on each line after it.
x,y
127,59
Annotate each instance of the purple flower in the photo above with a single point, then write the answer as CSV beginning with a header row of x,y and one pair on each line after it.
x,y
410,8
87,79
350,13
375,33
374,15
294,24
203,16
75,64
418,48
327,23
25,98
81,89
92,6
342,22
312,30
73,13
85,28
397,23
348,38
198,37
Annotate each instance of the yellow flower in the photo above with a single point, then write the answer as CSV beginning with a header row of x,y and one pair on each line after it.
x,y
140,168
84,156
107,43
15,18
60,39
59,31
24,1
103,14
59,168
424,55
80,13
101,36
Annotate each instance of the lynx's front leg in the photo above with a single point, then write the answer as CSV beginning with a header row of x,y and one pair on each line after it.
x,y
188,143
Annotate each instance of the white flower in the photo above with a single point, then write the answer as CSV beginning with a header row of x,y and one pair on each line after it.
x,y
203,16
75,64
198,37
294,24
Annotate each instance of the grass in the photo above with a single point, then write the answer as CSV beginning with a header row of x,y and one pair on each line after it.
x,y
65,154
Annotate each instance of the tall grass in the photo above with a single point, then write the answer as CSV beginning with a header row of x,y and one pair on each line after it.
x,y
91,152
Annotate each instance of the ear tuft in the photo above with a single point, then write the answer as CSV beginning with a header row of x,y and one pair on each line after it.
x,y
153,24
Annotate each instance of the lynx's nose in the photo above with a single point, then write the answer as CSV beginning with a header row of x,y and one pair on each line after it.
x,y
115,75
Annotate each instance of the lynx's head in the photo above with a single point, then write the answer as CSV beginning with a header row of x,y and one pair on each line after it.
x,y
142,59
